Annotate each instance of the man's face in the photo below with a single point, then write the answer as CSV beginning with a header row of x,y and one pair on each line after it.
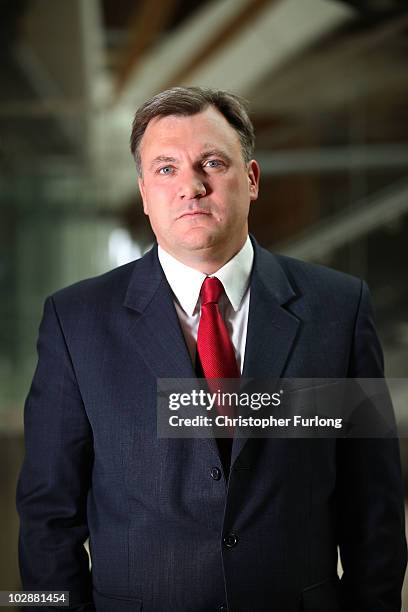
x,y
196,187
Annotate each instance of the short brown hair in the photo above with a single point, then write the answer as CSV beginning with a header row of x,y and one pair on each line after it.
x,y
187,101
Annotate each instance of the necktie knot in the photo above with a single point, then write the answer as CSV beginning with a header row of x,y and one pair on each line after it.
x,y
211,290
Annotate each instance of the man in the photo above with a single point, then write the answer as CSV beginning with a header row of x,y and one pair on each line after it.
x,y
191,525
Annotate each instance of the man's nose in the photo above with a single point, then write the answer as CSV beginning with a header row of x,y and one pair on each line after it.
x,y
192,186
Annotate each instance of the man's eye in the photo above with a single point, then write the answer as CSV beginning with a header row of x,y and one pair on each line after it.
x,y
213,163
165,170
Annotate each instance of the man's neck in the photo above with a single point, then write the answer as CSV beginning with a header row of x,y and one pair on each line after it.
x,y
206,260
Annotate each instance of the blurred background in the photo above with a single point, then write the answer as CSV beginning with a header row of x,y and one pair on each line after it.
x,y
327,82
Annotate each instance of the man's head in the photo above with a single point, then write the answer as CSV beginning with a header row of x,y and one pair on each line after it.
x,y
193,149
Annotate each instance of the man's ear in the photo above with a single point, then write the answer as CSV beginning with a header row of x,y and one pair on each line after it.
x,y
143,193
254,174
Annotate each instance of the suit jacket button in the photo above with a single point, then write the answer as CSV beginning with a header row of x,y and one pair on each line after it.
x,y
215,473
230,540
222,608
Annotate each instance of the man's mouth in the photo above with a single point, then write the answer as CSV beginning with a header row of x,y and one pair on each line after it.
x,y
194,213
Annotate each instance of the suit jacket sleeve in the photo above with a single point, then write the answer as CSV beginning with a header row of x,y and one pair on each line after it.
x,y
56,474
370,496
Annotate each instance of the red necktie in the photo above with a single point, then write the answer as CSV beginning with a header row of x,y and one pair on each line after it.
x,y
214,345
217,356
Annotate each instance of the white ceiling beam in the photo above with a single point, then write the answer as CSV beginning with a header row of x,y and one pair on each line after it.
x,y
358,220
62,55
176,49
338,76
279,32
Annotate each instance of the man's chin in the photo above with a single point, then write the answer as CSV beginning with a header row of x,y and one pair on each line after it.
x,y
199,239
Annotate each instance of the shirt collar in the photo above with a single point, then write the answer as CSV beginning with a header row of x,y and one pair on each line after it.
x,y
186,282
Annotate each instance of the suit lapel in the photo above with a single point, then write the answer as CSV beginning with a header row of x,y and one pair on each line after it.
x,y
272,328
158,335
156,329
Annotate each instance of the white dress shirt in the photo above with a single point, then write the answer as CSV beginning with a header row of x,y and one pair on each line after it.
x,y
186,282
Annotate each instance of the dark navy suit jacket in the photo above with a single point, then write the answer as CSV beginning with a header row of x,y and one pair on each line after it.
x,y
155,516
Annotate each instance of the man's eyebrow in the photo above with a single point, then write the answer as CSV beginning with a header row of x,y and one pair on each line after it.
x,y
214,153
163,158
205,154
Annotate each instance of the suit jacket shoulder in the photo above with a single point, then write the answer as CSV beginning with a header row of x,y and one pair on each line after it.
x,y
305,276
312,288
112,284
